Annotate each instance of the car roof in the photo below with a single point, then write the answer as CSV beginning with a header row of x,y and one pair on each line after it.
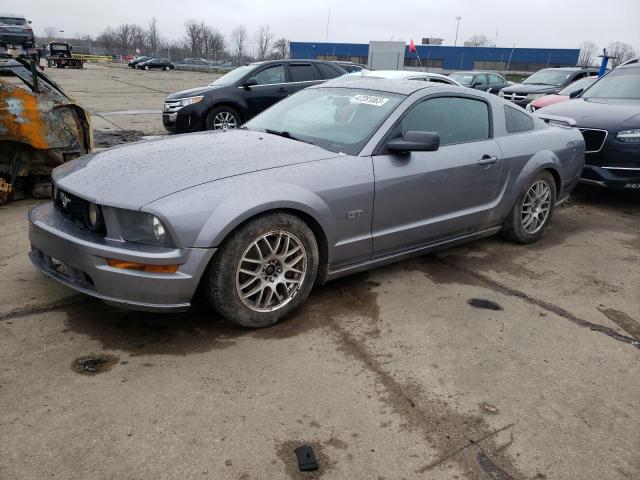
x,y
397,86
401,73
476,71
633,63
570,69
12,15
290,60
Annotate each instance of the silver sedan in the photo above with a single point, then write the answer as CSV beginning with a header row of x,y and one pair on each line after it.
x,y
335,179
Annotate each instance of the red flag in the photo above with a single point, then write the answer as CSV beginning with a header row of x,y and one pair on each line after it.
x,y
412,46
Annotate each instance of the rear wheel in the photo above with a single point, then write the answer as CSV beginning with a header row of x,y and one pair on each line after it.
x,y
264,271
146,67
530,216
222,118
166,68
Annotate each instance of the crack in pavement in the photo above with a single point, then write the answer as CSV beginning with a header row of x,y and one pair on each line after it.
x,y
140,86
550,307
62,304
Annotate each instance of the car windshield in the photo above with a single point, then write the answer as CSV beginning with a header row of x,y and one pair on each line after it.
x,y
340,120
463,78
621,83
12,21
577,85
234,75
548,77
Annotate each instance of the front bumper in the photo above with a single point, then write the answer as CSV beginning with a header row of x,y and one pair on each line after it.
x,y
77,258
616,164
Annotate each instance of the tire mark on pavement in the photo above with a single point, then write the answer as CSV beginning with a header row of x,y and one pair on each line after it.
x,y
60,305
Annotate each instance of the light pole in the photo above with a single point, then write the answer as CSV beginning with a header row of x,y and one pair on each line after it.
x,y
455,44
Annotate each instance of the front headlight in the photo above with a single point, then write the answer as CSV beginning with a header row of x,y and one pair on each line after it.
x,y
141,227
629,135
501,93
533,96
190,100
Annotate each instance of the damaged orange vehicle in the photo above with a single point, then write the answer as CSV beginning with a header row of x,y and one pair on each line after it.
x,y
40,128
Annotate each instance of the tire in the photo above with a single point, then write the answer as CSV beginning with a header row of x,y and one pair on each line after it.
x,y
226,281
166,69
526,222
146,67
222,118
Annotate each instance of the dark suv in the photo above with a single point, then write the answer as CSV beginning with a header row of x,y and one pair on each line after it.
x,y
16,31
242,93
544,82
608,115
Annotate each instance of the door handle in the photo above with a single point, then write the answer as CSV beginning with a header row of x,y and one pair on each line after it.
x,y
282,89
488,160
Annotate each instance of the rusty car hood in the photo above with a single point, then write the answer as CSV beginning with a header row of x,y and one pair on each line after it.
x,y
131,176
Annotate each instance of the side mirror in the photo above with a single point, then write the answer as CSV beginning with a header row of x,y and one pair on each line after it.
x,y
414,141
249,82
575,93
29,22
475,84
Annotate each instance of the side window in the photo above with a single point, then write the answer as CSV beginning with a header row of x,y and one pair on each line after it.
x,y
516,120
579,76
495,80
455,119
270,75
481,79
326,71
438,80
303,73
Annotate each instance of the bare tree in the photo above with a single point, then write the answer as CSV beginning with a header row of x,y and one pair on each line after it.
x,y
213,42
263,39
138,37
194,36
478,41
621,51
239,41
108,40
587,54
50,32
123,37
153,36
281,47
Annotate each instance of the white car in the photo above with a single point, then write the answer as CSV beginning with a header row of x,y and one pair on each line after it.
x,y
408,75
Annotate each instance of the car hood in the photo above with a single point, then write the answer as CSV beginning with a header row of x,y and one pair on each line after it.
x,y
608,114
549,100
530,88
192,92
130,176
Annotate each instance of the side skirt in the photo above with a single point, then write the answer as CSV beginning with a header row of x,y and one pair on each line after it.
x,y
406,254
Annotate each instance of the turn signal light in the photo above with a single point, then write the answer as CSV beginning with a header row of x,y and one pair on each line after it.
x,y
142,267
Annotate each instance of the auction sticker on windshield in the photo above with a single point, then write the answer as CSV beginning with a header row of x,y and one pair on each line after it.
x,y
369,100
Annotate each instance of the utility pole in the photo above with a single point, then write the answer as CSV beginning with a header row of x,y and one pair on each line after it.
x,y
455,44
326,37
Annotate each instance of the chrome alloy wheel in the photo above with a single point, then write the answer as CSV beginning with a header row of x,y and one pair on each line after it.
x,y
224,121
271,271
536,207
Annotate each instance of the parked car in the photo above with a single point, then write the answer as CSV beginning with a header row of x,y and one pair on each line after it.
x,y
133,63
608,114
161,63
572,90
254,217
194,61
350,67
242,93
16,31
410,75
487,81
544,82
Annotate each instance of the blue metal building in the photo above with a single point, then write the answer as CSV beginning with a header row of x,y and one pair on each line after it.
x,y
444,58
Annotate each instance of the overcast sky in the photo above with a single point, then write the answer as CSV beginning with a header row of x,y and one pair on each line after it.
x,y
534,23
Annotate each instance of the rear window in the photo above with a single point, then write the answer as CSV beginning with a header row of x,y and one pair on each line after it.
x,y
517,121
12,21
303,73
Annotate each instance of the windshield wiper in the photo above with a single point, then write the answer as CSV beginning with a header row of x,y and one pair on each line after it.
x,y
286,134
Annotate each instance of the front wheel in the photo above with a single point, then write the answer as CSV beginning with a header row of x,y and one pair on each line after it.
x,y
166,68
146,67
264,271
222,118
530,216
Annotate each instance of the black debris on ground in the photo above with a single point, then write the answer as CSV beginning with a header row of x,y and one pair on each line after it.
x,y
483,303
93,364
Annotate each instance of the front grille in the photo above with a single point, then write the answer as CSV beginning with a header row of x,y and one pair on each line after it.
x,y
73,208
171,106
593,139
515,97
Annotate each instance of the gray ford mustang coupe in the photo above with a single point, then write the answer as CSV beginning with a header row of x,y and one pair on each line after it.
x,y
335,179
